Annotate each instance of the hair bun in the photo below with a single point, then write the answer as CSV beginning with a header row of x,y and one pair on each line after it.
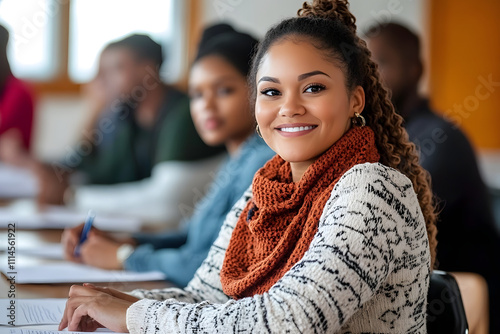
x,y
213,31
234,46
330,9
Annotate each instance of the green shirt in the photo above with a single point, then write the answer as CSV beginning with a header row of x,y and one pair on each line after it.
x,y
127,152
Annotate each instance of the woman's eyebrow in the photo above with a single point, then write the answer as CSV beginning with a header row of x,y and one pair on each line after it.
x,y
310,74
270,79
225,78
299,78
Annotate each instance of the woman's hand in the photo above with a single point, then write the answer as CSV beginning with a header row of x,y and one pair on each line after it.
x,y
52,184
12,150
113,292
69,240
71,237
99,250
90,307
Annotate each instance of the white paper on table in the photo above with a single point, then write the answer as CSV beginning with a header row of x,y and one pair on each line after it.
x,y
52,251
32,311
69,272
35,316
26,216
17,182
48,330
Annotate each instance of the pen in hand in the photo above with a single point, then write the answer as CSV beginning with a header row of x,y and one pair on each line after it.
x,y
85,231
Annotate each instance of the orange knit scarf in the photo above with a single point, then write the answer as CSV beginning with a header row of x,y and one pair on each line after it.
x,y
277,226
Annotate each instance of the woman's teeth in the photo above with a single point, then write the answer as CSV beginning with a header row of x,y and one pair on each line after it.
x,y
297,129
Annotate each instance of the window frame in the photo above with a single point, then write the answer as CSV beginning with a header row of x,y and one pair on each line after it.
x,y
61,83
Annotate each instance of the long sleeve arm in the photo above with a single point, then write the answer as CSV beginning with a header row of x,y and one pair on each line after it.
x,y
169,239
167,196
178,264
348,261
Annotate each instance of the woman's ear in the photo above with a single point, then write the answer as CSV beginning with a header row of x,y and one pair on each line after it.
x,y
357,101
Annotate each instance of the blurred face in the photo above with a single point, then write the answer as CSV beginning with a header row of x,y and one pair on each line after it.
x,y
219,102
303,106
120,71
394,70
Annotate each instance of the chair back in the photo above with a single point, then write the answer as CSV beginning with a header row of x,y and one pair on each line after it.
x,y
445,310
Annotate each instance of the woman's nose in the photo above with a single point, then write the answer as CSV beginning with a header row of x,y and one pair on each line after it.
x,y
292,107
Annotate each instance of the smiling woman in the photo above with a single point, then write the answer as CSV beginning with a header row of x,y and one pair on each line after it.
x,y
303,95
336,234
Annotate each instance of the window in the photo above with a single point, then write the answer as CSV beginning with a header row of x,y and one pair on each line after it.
x,y
32,46
42,49
94,23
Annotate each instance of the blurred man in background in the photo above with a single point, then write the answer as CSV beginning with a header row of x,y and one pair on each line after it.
x,y
467,238
16,112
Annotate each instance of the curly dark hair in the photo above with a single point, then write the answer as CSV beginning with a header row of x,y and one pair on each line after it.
x,y
330,27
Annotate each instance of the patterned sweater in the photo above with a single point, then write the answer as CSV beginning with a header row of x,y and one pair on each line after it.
x,y
366,271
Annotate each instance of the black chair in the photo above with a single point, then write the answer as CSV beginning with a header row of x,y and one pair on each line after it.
x,y
445,310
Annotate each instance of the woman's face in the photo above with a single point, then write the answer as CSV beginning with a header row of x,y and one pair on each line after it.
x,y
303,106
219,102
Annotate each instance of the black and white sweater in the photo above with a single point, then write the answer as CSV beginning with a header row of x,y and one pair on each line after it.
x,y
366,271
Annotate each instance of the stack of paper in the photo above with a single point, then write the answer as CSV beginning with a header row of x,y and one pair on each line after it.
x,y
34,316
26,215
49,331
17,182
31,311
69,272
52,251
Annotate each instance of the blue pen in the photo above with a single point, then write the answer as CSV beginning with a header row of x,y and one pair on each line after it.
x,y
85,232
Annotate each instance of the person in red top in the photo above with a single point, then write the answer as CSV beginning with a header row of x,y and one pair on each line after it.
x,y
16,111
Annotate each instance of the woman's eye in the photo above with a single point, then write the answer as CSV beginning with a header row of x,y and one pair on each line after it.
x,y
223,91
195,95
270,92
315,88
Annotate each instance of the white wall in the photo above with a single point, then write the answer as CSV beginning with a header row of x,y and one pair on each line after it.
x,y
58,124
408,12
253,16
257,16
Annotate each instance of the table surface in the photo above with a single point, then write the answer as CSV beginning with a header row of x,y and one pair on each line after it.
x,y
40,237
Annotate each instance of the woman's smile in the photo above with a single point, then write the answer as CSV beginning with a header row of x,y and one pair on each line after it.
x,y
295,129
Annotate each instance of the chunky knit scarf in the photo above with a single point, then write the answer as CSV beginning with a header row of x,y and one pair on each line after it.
x,y
278,224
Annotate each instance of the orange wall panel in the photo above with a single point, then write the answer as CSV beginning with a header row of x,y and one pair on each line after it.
x,y
464,73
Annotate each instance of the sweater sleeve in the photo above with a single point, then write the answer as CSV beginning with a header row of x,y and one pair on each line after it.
x,y
349,259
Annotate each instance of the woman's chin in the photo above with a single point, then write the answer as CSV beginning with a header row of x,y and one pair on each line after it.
x,y
298,153
213,139
294,157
